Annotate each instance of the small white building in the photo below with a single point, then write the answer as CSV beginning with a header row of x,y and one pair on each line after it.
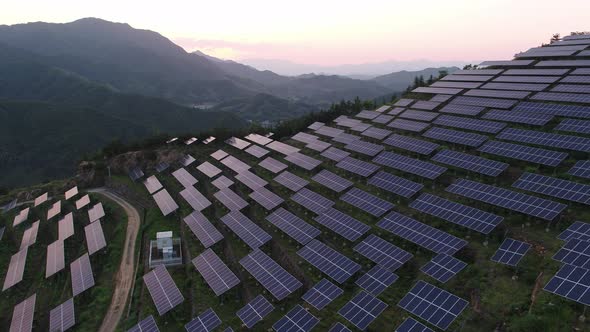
x,y
165,250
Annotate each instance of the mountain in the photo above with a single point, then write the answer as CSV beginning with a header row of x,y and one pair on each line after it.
x,y
400,80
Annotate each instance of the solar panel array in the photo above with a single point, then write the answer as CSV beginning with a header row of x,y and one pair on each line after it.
x,y
512,200
82,202
573,111
246,229
329,261
564,189
342,224
62,317
255,311
409,165
16,268
455,136
230,199
184,177
217,275
470,110
237,143
165,202
94,237
55,258
207,234
322,294
251,180
484,102
298,319
568,142
291,181
412,325
163,290
332,181
293,226
270,274
511,252
222,182
383,252
419,115
409,125
529,118
312,201
575,126
304,161
335,154
376,280
362,310
205,322
152,184
272,165
581,169
443,267
575,252
411,144
22,315
470,162
463,215
572,283
522,152
30,235
484,126
421,234
435,305
395,184
209,169
256,151
148,324
365,148
81,274
366,202
266,198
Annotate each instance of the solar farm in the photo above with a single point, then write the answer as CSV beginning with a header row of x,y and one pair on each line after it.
x,y
463,206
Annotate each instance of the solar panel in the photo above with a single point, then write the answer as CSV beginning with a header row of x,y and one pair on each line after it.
x,y
96,212
367,114
135,174
203,229
581,169
318,146
470,78
316,125
555,72
440,98
186,160
460,85
66,226
576,88
509,94
383,252
484,102
148,324
329,131
184,177
403,102
251,180
563,63
237,143
152,184
283,148
477,71
433,90
255,311
382,119
506,63
312,200
195,199
346,138
569,142
409,165
22,315
412,325
396,110
376,133
163,290
71,193
222,182
305,137
291,181
256,138
511,252
322,294
362,310
165,202
272,165
435,305
357,166
574,252
22,216
564,189
366,202
411,144
419,115
303,161
235,164
270,274
522,152
543,52
11,205
395,184
293,226
409,125
217,275
161,167
516,86
230,199
219,154
573,111
575,126
575,79
577,230
329,261
16,268
519,117
484,126
30,235
376,280
62,317
455,136
41,199
190,141
335,154
572,283
81,274
209,169
94,237
205,322
508,199
208,140
82,202
55,258
462,109
382,108
562,96
332,181
298,319
421,234
256,151
366,148
470,162
580,71
342,224
443,267
266,198
246,229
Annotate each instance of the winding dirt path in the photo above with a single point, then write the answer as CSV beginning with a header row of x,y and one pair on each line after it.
x,y
126,274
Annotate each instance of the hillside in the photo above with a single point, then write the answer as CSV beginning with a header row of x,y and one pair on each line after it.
x,y
399,81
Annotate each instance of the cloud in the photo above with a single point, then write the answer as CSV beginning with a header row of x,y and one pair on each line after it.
x,y
230,49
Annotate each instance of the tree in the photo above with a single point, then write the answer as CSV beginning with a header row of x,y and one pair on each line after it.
x,y
554,38
443,73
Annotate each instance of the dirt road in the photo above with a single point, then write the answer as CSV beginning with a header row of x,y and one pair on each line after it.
x,y
125,276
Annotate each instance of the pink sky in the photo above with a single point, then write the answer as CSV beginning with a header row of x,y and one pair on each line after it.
x,y
332,32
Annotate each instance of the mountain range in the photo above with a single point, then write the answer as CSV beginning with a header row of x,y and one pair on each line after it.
x,y
69,89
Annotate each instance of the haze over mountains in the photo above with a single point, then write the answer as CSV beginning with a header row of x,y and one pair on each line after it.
x,y
88,82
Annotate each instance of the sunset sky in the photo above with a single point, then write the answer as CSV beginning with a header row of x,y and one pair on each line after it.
x,y
331,32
